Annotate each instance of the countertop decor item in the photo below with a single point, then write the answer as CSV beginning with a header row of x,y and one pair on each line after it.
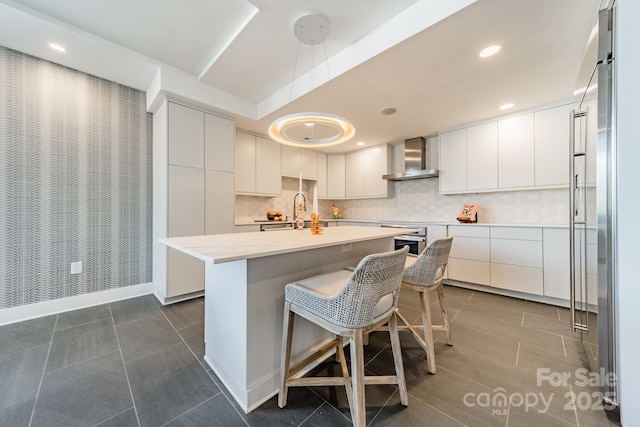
x,y
468,213
316,227
337,212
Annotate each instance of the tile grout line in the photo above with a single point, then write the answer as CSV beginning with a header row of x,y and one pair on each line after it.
x,y
44,368
124,366
200,362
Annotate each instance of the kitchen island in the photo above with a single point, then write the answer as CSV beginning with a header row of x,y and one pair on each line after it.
x,y
245,276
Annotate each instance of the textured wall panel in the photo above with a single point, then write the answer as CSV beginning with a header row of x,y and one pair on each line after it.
x,y
75,182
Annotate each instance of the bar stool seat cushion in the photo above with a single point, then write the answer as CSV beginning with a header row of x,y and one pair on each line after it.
x,y
329,285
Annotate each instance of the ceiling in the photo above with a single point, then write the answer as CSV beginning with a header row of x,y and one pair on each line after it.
x,y
242,59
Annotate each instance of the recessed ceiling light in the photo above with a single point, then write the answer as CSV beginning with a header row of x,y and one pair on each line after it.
x,y
387,111
57,47
359,143
506,106
490,51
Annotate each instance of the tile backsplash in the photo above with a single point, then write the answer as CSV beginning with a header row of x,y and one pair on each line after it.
x,y
420,201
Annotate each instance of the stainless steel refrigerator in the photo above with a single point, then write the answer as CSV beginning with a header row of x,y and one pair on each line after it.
x,y
593,217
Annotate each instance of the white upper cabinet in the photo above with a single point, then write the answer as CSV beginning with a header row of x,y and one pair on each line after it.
x,y
354,175
322,175
364,170
482,156
526,151
257,166
295,160
218,143
245,163
377,162
336,170
268,178
516,151
186,133
552,146
453,161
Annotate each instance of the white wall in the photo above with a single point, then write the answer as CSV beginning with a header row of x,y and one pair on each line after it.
x,y
628,94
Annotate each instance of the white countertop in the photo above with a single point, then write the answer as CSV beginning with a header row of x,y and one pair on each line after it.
x,y
221,248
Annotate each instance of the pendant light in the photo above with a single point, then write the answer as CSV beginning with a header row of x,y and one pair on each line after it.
x,y
311,129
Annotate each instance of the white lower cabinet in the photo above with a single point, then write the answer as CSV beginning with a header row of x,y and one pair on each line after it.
x,y
556,264
516,259
531,260
470,257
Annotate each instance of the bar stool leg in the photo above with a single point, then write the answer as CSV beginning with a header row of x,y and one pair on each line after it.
x,y
425,307
397,359
357,379
445,314
285,357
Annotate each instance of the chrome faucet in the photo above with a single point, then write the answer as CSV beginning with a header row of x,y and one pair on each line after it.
x,y
295,207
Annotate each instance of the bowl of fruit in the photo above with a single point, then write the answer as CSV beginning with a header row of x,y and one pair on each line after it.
x,y
274,215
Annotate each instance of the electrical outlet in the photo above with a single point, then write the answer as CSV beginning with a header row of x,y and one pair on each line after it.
x,y
76,267
346,247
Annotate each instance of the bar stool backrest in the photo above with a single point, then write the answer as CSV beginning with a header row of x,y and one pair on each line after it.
x,y
431,263
375,277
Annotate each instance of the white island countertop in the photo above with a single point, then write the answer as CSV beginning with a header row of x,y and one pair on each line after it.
x,y
220,248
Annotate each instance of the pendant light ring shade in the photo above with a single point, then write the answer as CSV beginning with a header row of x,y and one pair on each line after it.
x,y
311,129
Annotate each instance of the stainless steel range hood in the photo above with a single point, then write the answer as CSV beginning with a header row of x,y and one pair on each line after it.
x,y
415,161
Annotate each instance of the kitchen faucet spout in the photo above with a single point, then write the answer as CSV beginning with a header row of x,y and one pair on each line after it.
x,y
295,207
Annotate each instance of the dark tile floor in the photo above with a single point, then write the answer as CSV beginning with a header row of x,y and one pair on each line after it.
x,y
137,363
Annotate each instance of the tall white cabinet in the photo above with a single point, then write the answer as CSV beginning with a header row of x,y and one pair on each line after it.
x,y
193,179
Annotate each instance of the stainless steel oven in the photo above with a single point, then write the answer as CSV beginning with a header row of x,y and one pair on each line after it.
x,y
416,240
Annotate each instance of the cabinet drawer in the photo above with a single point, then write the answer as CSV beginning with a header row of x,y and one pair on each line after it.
x,y
517,252
518,233
517,278
470,248
469,231
469,271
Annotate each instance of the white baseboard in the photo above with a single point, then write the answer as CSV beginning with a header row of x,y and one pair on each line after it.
x,y
46,308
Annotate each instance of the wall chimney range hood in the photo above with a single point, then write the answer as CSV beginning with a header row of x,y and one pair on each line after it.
x,y
415,161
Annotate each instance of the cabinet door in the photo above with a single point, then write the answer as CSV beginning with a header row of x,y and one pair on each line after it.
x,y
186,136
268,178
482,156
185,273
453,161
218,143
354,175
517,278
322,175
375,163
290,161
309,164
245,163
336,176
219,202
556,262
516,152
552,146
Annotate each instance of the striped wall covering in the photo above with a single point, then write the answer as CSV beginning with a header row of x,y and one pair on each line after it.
x,y
75,182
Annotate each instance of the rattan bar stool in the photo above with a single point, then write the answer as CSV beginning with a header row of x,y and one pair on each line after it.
x,y
349,304
423,273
